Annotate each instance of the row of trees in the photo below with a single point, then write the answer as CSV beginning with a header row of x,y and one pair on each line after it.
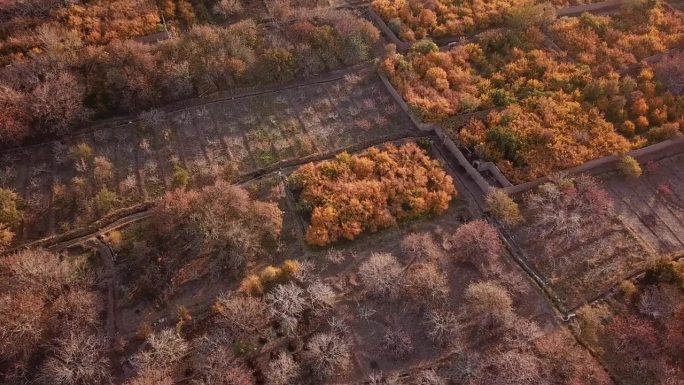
x,y
73,79
351,194
613,43
418,19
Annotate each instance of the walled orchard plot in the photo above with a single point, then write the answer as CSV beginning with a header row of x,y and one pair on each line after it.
x,y
638,332
644,223
69,184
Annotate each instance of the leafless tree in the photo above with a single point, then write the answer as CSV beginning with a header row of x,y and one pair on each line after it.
x,y
227,8
426,282
152,376
477,242
429,377
420,246
443,326
568,207
327,354
321,296
161,350
286,303
656,302
397,343
514,368
283,370
215,363
242,316
382,275
78,359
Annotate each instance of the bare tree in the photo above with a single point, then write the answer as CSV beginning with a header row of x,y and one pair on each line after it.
x,y
514,368
477,242
227,8
382,275
322,297
243,316
286,303
161,350
429,377
397,343
420,246
152,376
78,359
443,326
327,354
215,363
427,282
490,305
283,370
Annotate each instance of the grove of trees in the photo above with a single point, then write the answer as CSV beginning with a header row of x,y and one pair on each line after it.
x,y
545,111
351,194
85,63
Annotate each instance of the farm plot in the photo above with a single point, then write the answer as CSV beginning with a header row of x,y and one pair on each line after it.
x,y
405,301
653,205
573,236
69,184
638,333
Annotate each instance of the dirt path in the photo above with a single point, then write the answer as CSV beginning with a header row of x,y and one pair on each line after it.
x,y
108,257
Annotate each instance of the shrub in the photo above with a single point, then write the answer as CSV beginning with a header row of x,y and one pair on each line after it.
x,y
180,177
503,207
355,193
382,275
327,354
103,170
10,214
629,167
627,288
106,200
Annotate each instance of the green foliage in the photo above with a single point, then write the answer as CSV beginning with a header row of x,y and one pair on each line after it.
x,y
503,208
106,200
506,141
629,167
10,214
501,97
180,178
425,46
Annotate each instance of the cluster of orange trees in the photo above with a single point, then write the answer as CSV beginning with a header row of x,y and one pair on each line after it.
x,y
417,19
613,43
351,194
547,112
